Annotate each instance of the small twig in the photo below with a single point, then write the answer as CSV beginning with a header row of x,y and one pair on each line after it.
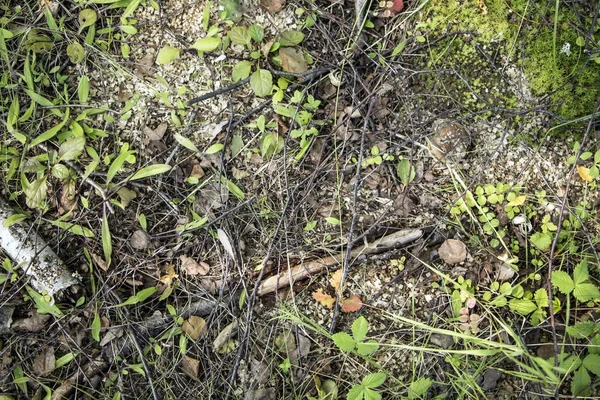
x,y
218,92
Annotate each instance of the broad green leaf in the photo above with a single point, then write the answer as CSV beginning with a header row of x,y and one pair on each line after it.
x,y
87,17
418,388
522,306
129,29
366,348
133,5
185,142
95,328
71,148
310,226
241,71
139,297
76,52
586,292
580,383
398,48
542,240
50,133
150,170
582,330
237,144
64,360
60,171
405,171
580,273
215,148
360,327
234,189
356,392
541,298
138,368
239,35
374,380
256,32
344,341
43,303
35,194
14,219
44,102
117,164
332,220
106,241
83,90
73,228
206,44
167,55
562,281
592,363
261,82
291,38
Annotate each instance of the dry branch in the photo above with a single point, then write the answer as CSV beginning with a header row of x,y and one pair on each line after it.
x,y
306,269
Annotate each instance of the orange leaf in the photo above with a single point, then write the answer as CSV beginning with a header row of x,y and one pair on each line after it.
x,y
352,304
584,173
323,298
336,279
170,274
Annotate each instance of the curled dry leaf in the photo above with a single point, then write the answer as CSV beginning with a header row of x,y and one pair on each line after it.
x,y
197,171
169,275
191,267
45,362
323,298
336,279
194,327
453,251
272,6
351,304
156,133
190,366
99,261
143,67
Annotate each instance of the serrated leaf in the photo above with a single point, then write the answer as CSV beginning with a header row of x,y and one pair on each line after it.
x,y
167,55
522,306
592,363
324,299
291,38
418,388
580,383
150,170
239,35
360,327
374,380
86,18
261,82
206,44
95,328
71,148
356,392
344,341
580,273
586,292
256,32
562,281
582,330
215,148
367,348
542,240
541,298
241,71
35,194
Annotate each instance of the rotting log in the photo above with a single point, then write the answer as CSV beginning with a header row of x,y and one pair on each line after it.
x,y
27,249
304,270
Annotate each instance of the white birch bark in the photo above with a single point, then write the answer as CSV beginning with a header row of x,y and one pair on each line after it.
x,y
26,248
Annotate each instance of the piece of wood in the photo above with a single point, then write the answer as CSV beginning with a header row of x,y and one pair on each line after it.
x,y
304,270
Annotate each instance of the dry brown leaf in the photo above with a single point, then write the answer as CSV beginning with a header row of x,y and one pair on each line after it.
x,y
45,362
169,275
99,261
351,304
191,267
139,240
197,171
323,298
156,133
292,60
68,198
336,279
144,65
35,323
224,239
453,251
272,6
190,366
194,327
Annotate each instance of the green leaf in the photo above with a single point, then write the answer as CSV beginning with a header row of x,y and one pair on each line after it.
x,y
73,228
522,306
580,383
356,392
592,363
150,170
106,241
239,35
291,38
256,32
138,368
64,360
206,44
366,348
542,240
44,102
344,341
418,388
241,71
215,148
71,148
234,189
50,133
398,48
167,55
374,380
237,144
541,298
562,281
371,394
586,292
129,29
117,164
83,90
310,226
60,171
76,52
86,18
14,219
185,142
95,328
360,327
42,303
261,82
582,330
139,297
35,194
133,5
332,220
580,273
405,171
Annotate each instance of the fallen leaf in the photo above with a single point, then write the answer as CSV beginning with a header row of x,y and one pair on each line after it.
x,y
351,304
156,133
169,275
35,323
45,362
453,251
67,200
584,173
323,298
260,371
238,173
397,6
197,171
99,261
336,279
194,327
224,239
292,60
190,366
145,64
139,240
504,271
223,339
272,6
191,267
126,195
518,201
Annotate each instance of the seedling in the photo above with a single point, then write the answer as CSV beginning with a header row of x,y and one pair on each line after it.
x,y
355,342
367,388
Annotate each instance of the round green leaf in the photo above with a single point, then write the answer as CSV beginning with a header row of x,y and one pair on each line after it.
x,y
75,52
167,54
261,82
206,44
291,38
87,18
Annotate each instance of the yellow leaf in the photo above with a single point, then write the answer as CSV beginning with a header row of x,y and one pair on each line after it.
x,y
323,298
168,277
518,201
584,173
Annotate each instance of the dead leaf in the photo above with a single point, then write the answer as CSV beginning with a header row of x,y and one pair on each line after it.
x,y
504,271
143,66
584,173
336,279
224,239
260,371
197,171
126,195
123,94
292,60
190,366
453,251
111,335
35,323
99,261
351,304
194,327
45,362
139,240
68,199
323,298
169,275
224,337
272,6
238,173
191,267
156,133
